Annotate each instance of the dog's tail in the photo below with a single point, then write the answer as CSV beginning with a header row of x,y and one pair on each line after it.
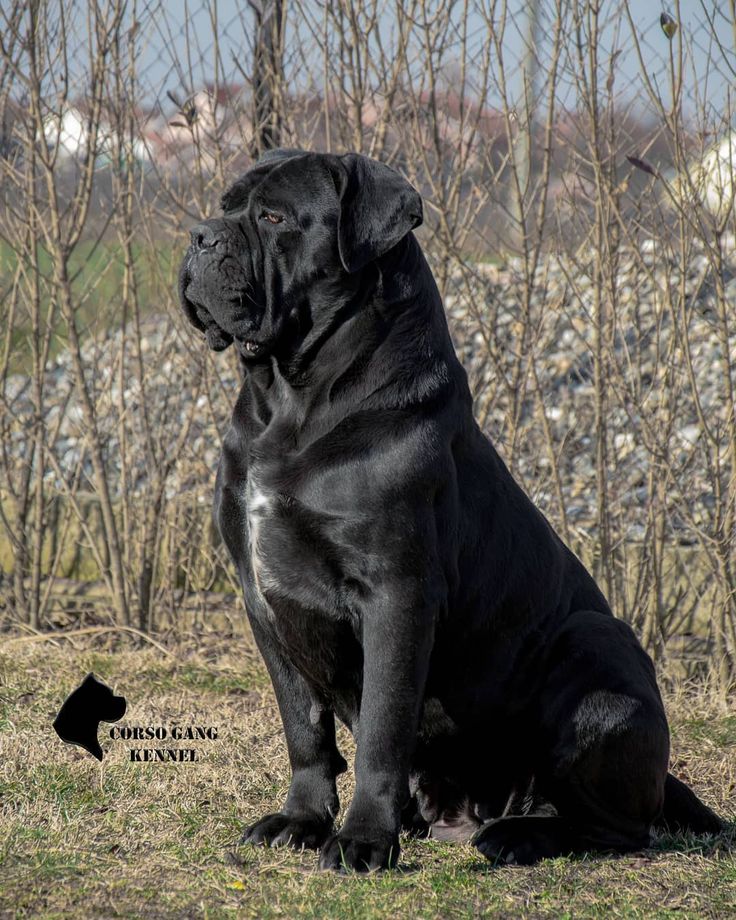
x,y
683,810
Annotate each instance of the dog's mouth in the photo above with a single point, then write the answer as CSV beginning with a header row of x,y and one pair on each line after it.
x,y
226,316
249,348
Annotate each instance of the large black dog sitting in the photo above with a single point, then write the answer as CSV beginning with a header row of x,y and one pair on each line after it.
x,y
395,575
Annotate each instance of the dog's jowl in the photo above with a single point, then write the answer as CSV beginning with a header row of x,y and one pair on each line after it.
x,y
395,575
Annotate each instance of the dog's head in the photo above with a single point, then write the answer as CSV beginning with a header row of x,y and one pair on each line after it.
x,y
294,221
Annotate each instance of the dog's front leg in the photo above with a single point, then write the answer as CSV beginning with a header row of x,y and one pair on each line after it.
x,y
397,641
312,803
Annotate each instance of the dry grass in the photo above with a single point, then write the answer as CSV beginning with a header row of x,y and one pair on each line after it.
x,y
78,838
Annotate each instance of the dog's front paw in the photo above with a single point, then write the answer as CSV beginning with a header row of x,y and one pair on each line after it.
x,y
282,830
363,852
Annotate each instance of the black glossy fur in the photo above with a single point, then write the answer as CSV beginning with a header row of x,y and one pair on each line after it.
x,y
395,574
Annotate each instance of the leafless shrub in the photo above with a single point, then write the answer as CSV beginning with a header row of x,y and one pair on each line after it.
x,y
577,176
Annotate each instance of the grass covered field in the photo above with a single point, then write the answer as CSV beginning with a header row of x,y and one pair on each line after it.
x,y
96,271
130,839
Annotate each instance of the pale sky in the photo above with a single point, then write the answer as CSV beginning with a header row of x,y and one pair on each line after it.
x,y
710,72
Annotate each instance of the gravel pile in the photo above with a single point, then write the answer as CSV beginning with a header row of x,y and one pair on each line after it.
x,y
666,360
181,389
541,372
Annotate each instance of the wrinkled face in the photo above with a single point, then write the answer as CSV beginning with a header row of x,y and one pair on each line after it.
x,y
246,272
291,223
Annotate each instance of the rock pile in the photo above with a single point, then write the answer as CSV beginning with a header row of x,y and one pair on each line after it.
x,y
660,341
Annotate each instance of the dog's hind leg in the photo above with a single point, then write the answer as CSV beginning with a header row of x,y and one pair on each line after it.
x,y
449,810
602,749
683,810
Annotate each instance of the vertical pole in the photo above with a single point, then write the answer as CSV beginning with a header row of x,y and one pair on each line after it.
x,y
267,73
525,114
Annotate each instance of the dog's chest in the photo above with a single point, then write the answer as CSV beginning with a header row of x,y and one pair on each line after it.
x,y
299,585
280,536
298,553
260,505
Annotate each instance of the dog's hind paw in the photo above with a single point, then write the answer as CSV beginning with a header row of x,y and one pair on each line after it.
x,y
524,840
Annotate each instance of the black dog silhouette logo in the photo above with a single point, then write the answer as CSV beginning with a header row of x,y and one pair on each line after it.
x,y
80,716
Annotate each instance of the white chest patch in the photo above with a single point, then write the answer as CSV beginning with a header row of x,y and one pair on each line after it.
x,y
258,505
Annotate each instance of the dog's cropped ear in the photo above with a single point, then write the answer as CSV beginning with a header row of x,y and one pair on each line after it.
x,y
217,339
378,207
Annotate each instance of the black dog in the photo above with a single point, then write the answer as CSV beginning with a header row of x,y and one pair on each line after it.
x,y
83,710
395,574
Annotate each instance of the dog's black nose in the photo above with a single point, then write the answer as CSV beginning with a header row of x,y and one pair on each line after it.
x,y
203,236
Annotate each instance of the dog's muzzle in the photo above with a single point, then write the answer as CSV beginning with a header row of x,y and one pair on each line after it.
x,y
216,292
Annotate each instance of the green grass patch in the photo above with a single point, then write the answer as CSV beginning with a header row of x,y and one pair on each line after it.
x,y
82,838
96,272
720,731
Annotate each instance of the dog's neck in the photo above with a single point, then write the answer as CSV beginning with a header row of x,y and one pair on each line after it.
x,y
357,348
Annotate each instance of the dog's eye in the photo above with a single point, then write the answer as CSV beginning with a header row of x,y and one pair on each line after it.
x,y
272,217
